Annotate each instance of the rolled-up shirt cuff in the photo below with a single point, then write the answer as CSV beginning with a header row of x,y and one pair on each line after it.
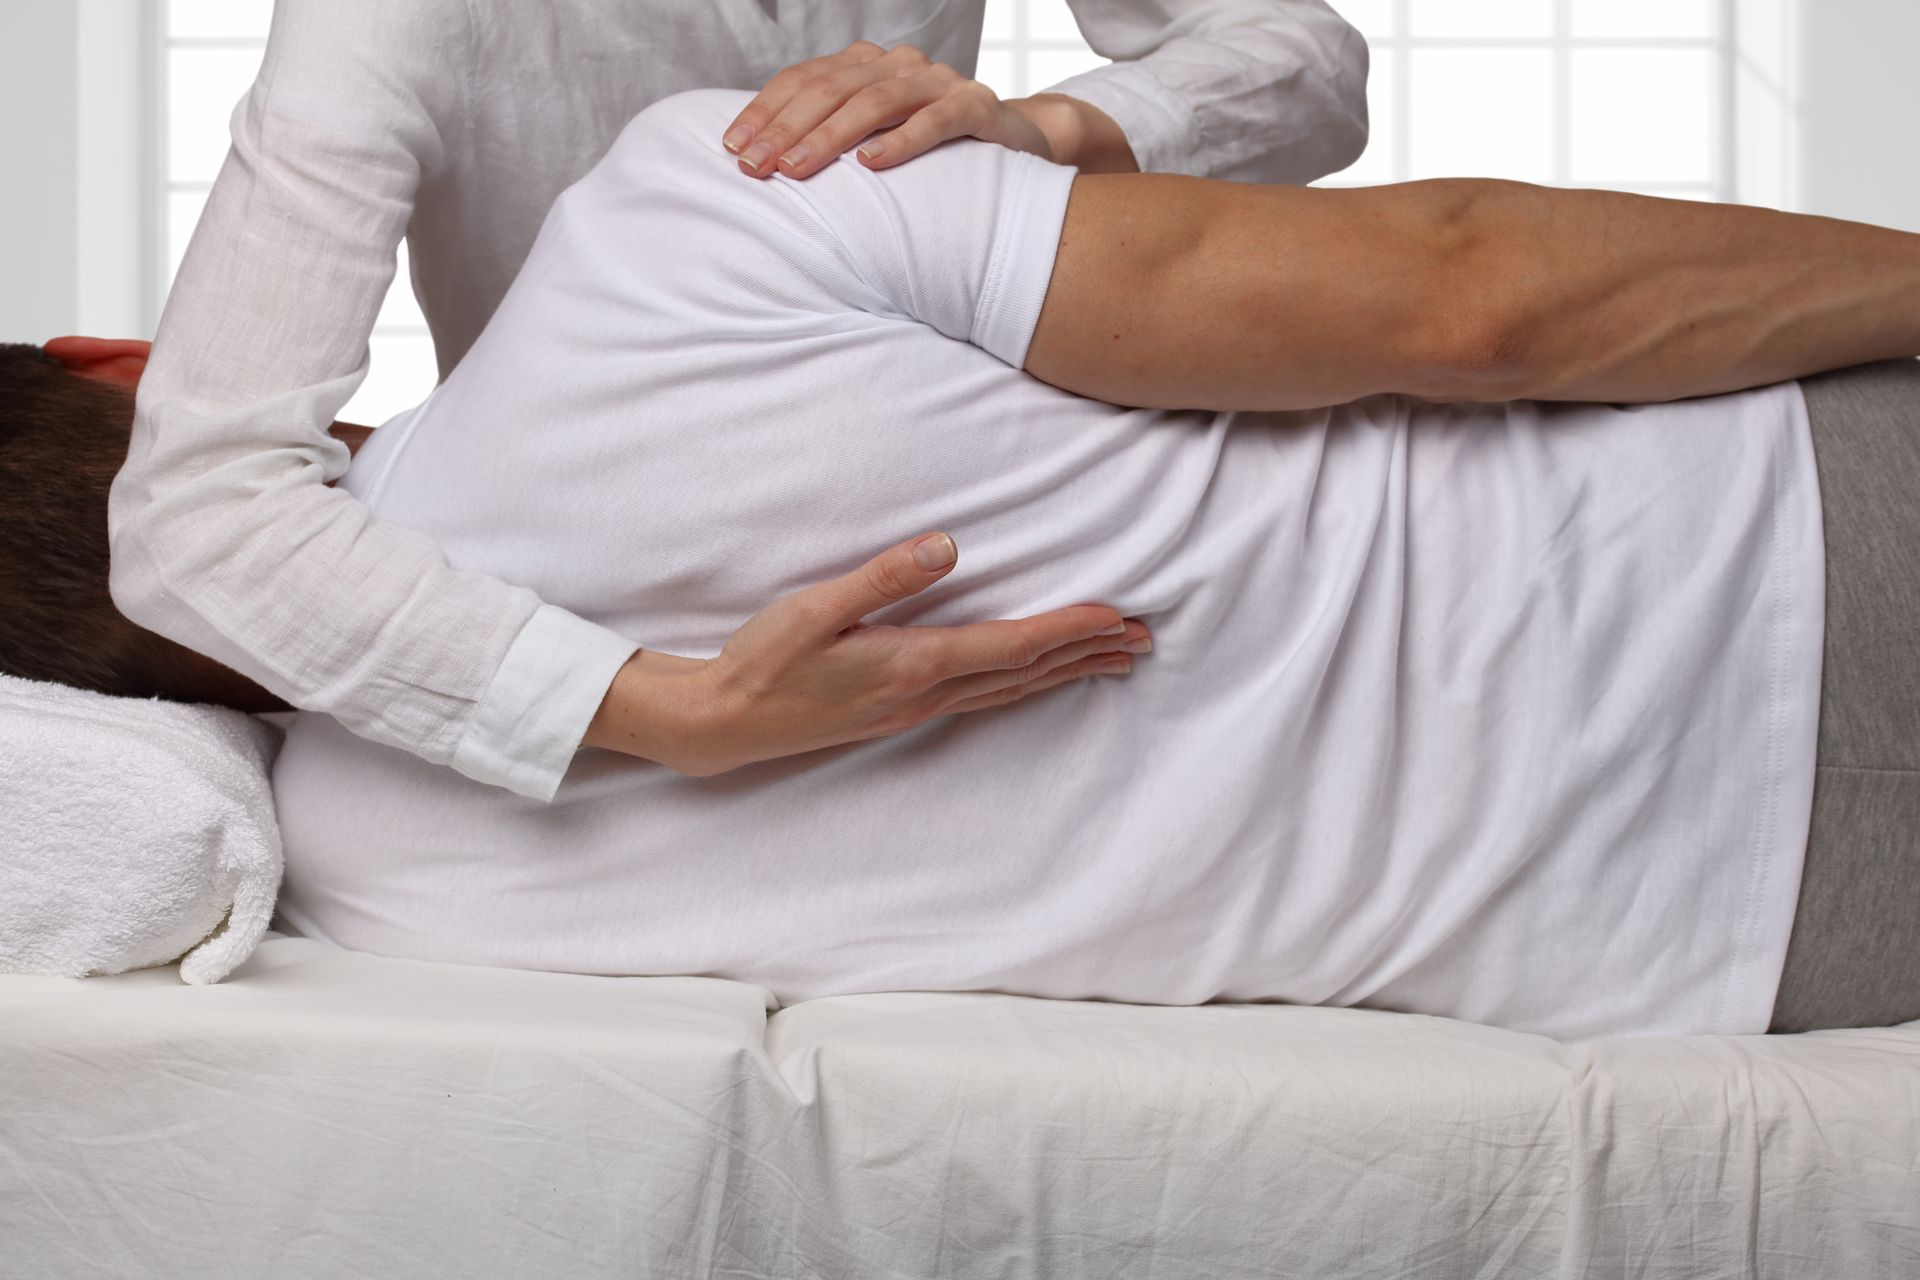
x,y
529,723
1161,128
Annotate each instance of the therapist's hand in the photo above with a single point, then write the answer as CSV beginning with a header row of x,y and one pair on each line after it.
x,y
806,673
818,109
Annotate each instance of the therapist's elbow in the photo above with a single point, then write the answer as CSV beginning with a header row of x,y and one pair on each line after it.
x,y
1338,144
1344,125
1350,126
146,547
139,594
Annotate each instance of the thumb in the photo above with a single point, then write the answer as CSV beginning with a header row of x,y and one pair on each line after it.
x,y
896,573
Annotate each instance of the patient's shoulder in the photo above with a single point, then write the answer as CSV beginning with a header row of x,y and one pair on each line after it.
x,y
682,126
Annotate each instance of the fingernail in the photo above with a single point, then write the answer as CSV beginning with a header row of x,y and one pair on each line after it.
x,y
1113,630
737,137
796,157
871,151
756,155
936,551
1143,645
1118,668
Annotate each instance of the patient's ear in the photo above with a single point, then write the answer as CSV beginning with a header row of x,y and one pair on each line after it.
x,y
120,360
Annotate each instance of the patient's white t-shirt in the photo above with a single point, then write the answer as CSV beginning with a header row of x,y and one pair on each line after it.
x,y
1505,713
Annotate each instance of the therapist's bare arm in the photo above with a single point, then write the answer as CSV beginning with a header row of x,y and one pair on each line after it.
x,y
1174,292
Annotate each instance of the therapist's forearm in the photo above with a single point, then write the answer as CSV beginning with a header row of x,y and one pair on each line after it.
x,y
1080,134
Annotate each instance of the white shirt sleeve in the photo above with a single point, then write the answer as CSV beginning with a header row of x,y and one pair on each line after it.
x,y
1254,90
225,537
962,239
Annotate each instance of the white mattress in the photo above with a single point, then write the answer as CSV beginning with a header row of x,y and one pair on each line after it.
x,y
328,1113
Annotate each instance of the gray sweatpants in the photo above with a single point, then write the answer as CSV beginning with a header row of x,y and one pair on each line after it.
x,y
1854,957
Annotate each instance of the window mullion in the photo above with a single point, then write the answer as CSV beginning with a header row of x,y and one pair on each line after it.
x,y
1403,91
1562,92
157,164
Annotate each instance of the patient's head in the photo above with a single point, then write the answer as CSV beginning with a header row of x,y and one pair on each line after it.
x,y
65,413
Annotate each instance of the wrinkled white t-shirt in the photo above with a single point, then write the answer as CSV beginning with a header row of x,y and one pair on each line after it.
x,y
1505,713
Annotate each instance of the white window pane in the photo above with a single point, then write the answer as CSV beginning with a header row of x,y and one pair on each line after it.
x,y
203,85
1676,19
1501,18
1376,164
1482,113
1643,115
401,373
222,18
999,20
1051,20
995,70
1047,67
183,214
1374,18
401,309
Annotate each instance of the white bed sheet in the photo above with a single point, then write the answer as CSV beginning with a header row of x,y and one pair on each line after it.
x,y
330,1113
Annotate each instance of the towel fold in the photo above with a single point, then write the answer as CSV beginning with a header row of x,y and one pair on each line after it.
x,y
129,830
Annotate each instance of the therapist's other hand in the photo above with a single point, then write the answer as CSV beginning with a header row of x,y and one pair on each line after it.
x,y
818,109
806,672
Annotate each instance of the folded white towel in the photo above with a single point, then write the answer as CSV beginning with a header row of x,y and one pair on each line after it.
x,y
128,829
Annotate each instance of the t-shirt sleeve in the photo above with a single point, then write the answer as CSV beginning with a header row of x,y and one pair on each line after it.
x,y
962,238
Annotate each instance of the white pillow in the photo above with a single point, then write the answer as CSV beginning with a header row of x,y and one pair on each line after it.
x,y
129,829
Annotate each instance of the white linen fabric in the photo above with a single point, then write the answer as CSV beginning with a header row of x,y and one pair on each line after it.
x,y
617,1127
1474,710
458,124
129,830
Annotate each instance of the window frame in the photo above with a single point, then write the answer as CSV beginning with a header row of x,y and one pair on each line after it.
x,y
1723,183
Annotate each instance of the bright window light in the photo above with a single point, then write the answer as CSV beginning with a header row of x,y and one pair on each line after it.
x,y
1625,94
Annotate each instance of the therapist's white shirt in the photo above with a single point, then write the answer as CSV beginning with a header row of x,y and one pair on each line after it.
x,y
457,122
1500,712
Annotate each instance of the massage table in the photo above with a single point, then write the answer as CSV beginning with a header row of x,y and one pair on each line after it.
x,y
326,1112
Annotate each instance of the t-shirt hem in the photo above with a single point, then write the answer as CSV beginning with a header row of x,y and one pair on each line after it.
x,y
1020,267
1766,927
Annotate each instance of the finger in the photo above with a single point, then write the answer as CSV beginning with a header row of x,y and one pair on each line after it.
x,y
961,688
942,653
900,571
879,105
959,109
88,350
776,92
116,360
812,102
1099,664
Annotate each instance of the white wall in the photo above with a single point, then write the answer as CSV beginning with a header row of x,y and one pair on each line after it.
x,y
117,174
1828,107
38,142
74,220
1858,142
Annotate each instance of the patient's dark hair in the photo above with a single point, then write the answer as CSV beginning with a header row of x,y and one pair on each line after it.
x,y
62,439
